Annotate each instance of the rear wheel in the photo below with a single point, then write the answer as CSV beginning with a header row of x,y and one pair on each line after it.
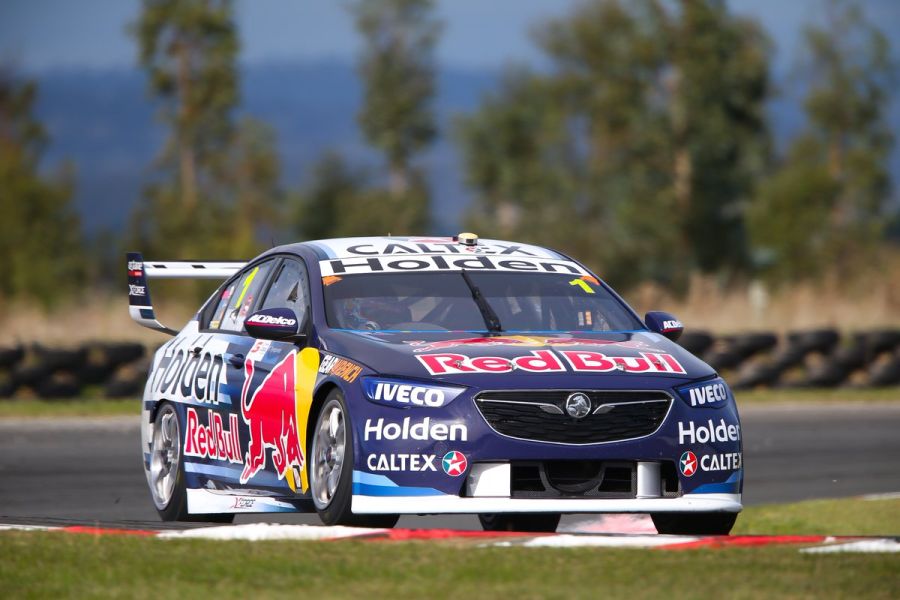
x,y
167,486
534,522
331,468
694,523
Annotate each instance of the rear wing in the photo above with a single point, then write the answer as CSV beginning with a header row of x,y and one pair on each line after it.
x,y
139,306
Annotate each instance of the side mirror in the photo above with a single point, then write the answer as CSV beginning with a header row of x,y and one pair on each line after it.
x,y
664,324
279,324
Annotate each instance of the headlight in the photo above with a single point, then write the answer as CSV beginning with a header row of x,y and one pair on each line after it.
x,y
403,394
712,393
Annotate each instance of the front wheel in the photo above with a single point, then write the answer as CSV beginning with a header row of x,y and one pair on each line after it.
x,y
331,468
531,522
694,523
167,485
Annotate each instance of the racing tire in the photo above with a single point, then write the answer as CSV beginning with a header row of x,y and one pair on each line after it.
x,y
816,340
723,359
882,340
10,357
170,496
717,523
750,344
123,353
529,522
331,474
887,373
695,342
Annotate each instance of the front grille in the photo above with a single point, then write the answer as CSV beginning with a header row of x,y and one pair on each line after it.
x,y
573,479
540,415
609,479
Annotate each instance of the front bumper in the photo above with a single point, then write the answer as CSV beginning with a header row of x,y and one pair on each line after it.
x,y
458,505
687,460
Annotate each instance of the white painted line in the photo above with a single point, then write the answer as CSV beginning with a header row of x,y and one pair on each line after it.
x,y
26,528
887,496
601,541
865,546
256,532
613,523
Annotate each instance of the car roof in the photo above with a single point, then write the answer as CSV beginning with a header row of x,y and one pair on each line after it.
x,y
397,246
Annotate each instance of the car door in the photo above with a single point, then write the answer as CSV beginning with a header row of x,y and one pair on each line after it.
x,y
269,398
222,334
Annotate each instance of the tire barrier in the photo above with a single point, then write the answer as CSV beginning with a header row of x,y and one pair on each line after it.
x,y
819,358
110,369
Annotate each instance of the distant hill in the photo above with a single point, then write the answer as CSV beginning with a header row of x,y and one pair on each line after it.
x,y
103,121
105,124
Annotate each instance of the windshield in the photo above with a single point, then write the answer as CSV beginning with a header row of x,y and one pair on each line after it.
x,y
446,301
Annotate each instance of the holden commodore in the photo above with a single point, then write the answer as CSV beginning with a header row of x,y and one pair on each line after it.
x,y
366,378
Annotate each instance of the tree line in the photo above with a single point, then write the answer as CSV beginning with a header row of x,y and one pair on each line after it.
x,y
643,147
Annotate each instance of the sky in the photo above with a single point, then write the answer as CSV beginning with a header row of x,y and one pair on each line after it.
x,y
478,34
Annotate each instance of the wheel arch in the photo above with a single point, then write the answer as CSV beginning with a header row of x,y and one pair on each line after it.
x,y
315,408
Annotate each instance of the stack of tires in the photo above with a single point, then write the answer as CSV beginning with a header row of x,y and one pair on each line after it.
x,y
817,358
98,368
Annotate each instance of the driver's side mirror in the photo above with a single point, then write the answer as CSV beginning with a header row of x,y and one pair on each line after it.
x,y
664,324
280,324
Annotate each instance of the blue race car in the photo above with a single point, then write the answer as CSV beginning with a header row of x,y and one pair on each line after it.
x,y
365,378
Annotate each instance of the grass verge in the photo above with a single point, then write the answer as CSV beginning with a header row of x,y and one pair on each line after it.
x,y
845,516
79,407
47,564
56,564
827,395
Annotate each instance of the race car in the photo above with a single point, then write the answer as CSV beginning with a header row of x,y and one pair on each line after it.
x,y
367,378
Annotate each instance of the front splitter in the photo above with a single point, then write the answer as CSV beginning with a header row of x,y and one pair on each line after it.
x,y
446,504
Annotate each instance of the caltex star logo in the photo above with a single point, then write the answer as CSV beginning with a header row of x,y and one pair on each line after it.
x,y
454,463
688,463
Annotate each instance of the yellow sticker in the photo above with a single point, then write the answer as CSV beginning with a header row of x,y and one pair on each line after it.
x,y
246,285
582,284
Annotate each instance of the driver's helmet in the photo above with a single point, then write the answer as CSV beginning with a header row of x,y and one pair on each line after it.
x,y
372,313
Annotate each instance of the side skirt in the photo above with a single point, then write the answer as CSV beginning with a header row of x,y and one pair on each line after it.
x,y
203,501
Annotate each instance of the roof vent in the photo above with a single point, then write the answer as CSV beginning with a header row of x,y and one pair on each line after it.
x,y
467,239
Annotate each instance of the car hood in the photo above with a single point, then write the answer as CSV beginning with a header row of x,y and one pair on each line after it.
x,y
613,359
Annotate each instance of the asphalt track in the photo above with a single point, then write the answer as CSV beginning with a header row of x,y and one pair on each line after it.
x,y
76,471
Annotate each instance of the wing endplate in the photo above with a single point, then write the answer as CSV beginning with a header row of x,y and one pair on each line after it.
x,y
140,306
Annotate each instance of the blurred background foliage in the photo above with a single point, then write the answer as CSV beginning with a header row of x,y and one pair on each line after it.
x,y
642,146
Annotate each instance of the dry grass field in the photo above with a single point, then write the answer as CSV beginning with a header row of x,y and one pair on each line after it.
x,y
871,300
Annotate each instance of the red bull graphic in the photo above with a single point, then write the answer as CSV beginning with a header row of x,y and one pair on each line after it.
x,y
548,361
647,362
214,440
271,414
523,341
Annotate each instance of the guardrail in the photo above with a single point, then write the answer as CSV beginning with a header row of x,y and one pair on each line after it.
x,y
802,359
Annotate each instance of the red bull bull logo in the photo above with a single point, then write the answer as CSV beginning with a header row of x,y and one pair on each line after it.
x,y
523,341
271,414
